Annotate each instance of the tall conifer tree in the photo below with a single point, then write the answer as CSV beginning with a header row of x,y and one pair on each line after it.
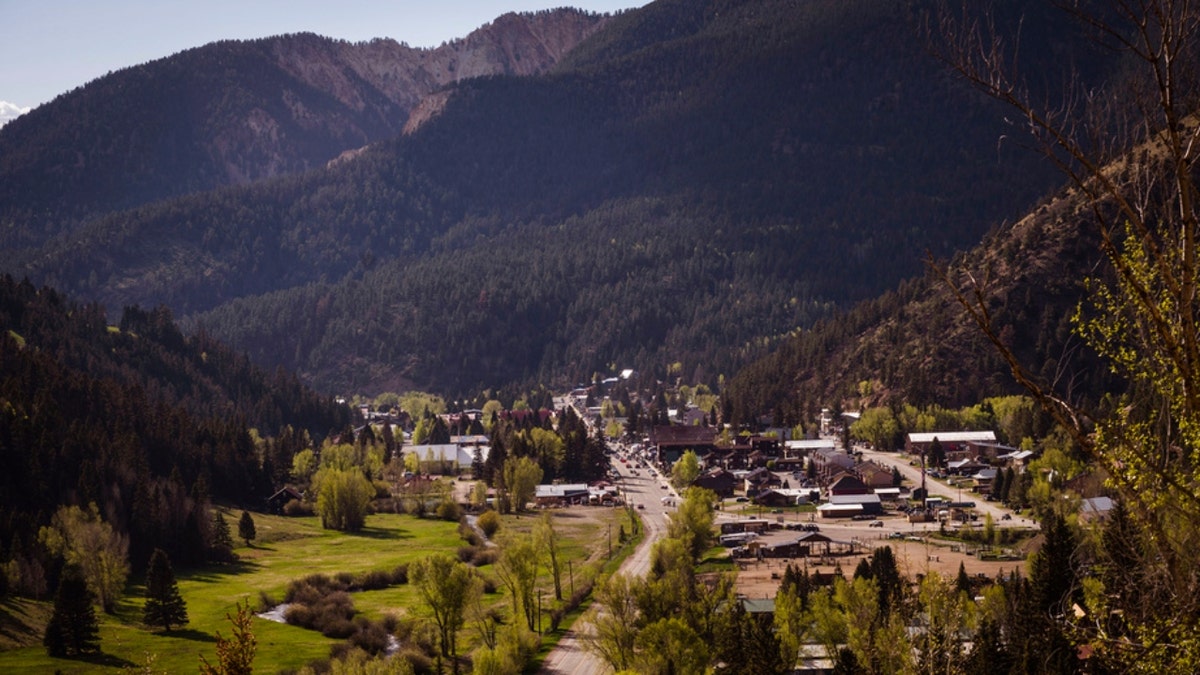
x,y
73,629
164,605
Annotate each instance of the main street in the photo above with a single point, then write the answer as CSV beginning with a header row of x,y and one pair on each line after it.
x,y
646,493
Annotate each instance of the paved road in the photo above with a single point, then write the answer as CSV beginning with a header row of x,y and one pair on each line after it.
x,y
645,489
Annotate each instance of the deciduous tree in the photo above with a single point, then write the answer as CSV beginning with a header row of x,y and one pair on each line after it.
x,y
1130,151
448,587
235,655
83,539
521,478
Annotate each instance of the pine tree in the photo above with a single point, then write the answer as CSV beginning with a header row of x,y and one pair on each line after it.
x,y
222,543
246,529
164,605
73,629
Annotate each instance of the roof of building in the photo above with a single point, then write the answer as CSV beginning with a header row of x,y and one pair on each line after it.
x,y
810,444
854,499
952,436
448,452
1097,505
561,491
678,434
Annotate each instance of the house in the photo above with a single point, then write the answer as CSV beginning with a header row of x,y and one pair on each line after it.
x,y
964,467
829,462
719,481
1016,460
759,480
1095,510
782,497
875,476
277,501
849,484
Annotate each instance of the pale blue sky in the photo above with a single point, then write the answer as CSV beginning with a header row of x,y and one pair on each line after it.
x,y
48,47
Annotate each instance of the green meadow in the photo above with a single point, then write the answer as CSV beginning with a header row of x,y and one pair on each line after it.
x,y
287,549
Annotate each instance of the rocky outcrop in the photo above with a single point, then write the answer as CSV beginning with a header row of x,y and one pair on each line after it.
x,y
363,75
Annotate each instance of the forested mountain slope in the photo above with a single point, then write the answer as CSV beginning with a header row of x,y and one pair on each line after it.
x,y
238,111
918,345
692,180
133,418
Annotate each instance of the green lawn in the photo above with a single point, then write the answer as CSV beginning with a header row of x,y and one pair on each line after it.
x,y
287,549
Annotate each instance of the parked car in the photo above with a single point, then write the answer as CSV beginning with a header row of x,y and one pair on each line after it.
x,y
1007,516
875,523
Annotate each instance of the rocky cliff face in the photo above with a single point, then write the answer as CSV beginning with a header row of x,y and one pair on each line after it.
x,y
364,76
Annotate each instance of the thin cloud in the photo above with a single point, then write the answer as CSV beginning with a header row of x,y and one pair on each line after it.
x,y
10,112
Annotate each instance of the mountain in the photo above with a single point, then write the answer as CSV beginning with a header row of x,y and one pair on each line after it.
x,y
686,185
138,419
233,112
917,344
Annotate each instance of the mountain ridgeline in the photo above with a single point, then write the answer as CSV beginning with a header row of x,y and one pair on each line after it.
x,y
686,184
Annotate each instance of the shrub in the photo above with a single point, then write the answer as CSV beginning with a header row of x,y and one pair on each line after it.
x,y
484,556
369,637
373,581
265,601
296,508
489,522
449,510
400,574
468,534
383,489
420,661
337,628
466,553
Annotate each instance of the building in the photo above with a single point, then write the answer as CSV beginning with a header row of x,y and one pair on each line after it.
x,y
670,442
952,442
719,481
849,484
561,495
848,506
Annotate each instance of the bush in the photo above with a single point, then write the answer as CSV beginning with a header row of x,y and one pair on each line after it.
x,y
489,522
383,489
468,534
449,510
466,553
400,574
296,508
421,663
265,601
373,581
370,637
484,556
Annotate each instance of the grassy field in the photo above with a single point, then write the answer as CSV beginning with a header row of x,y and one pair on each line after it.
x,y
287,549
